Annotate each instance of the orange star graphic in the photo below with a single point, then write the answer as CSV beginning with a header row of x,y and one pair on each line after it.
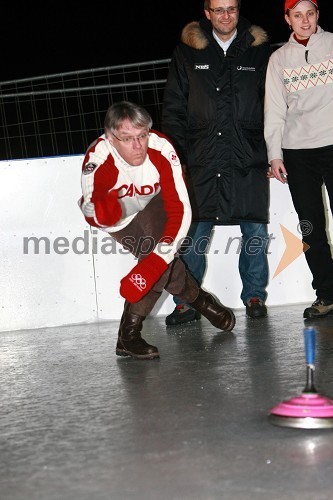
x,y
294,248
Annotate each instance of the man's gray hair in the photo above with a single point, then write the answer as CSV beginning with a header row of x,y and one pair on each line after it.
x,y
125,110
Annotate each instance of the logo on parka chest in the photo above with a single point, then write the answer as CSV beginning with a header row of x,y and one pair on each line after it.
x,y
201,66
246,68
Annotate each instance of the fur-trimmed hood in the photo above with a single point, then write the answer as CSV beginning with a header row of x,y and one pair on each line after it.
x,y
195,34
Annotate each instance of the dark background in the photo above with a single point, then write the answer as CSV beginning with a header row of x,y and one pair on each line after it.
x,y
54,37
51,37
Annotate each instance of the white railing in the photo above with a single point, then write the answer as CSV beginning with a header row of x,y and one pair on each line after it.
x,y
61,114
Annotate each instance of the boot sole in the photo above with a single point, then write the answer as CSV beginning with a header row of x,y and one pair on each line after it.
x,y
233,323
230,327
317,316
256,316
153,355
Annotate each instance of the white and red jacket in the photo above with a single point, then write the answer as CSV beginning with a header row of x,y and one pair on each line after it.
x,y
104,171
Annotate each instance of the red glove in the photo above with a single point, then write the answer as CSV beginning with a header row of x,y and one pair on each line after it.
x,y
107,208
143,276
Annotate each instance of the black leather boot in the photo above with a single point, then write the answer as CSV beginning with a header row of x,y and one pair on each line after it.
x,y
220,316
130,342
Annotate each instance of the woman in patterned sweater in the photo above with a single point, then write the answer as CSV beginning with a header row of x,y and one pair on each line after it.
x,y
299,136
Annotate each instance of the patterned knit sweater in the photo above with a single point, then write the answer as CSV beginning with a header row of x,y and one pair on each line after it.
x,y
299,95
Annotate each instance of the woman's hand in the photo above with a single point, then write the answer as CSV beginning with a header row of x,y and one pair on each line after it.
x,y
278,170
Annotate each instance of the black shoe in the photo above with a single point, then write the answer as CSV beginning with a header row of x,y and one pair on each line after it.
x,y
136,348
319,309
180,316
255,308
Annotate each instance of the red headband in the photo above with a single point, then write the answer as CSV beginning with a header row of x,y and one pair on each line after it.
x,y
291,4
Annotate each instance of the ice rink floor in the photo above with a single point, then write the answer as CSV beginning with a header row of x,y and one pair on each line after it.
x,y
79,423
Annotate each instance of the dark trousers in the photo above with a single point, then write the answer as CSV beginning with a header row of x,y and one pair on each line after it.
x,y
140,237
308,171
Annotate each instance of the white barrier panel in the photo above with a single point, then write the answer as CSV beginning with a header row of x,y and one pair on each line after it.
x,y
42,286
56,270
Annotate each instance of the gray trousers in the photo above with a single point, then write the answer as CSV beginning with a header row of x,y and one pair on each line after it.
x,y
140,237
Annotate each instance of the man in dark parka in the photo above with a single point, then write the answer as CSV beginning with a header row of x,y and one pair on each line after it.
x,y
213,112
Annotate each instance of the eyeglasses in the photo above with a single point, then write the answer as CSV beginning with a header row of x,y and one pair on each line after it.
x,y
129,140
220,10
